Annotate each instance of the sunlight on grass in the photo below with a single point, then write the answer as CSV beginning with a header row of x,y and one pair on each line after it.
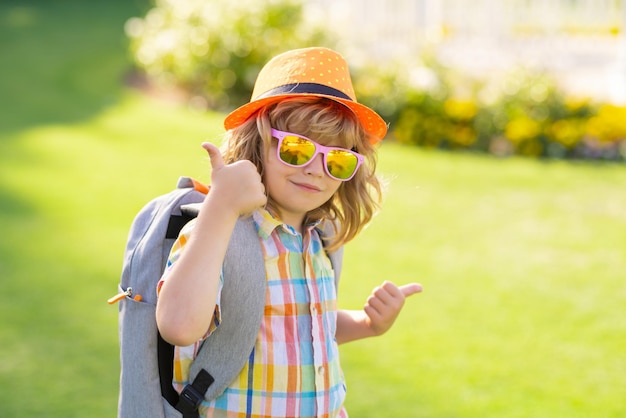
x,y
521,263
70,193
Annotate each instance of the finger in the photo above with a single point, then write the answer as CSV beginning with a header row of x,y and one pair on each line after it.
x,y
215,155
376,303
387,293
391,290
411,289
374,314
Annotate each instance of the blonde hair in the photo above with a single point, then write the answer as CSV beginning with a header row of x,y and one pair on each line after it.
x,y
356,201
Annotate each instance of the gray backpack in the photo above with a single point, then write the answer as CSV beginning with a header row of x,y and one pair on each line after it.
x,y
146,359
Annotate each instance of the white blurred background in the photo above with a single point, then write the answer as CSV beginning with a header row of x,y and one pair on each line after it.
x,y
582,43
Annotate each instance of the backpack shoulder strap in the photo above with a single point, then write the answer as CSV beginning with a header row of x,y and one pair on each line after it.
x,y
336,259
326,230
225,353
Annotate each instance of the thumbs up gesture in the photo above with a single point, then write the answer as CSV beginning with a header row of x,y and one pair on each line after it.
x,y
385,303
238,185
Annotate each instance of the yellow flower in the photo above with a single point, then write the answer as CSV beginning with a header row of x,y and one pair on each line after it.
x,y
463,135
520,129
609,124
460,109
567,132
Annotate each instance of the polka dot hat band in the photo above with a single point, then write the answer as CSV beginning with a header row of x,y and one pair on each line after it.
x,y
318,72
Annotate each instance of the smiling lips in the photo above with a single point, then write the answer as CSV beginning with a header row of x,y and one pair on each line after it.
x,y
308,187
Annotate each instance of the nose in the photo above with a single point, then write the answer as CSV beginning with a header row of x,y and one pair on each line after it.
x,y
316,167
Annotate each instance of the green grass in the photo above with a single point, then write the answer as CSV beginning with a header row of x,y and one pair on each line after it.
x,y
522,261
522,264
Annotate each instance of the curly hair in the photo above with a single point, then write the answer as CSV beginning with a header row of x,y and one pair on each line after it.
x,y
356,201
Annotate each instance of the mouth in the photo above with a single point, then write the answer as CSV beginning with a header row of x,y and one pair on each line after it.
x,y
307,187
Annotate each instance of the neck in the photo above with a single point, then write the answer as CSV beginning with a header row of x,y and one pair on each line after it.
x,y
296,221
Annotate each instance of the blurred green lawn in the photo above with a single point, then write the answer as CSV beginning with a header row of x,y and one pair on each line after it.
x,y
522,261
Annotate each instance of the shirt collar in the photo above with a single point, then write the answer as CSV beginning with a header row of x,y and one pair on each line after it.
x,y
266,223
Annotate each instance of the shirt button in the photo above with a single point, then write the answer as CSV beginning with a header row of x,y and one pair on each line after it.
x,y
321,370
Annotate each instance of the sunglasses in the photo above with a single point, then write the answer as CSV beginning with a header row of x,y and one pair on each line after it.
x,y
298,151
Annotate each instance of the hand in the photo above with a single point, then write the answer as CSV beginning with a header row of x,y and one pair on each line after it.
x,y
385,303
238,185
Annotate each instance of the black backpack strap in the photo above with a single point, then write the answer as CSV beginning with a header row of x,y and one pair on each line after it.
x,y
177,222
192,395
165,358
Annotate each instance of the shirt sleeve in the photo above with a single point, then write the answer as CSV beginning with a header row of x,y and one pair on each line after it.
x,y
174,255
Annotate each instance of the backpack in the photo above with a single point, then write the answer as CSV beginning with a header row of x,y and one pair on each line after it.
x,y
146,359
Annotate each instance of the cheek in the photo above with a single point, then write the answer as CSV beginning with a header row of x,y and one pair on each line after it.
x,y
334,185
272,163
275,172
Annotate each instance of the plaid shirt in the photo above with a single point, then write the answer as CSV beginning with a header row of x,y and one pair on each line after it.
x,y
293,370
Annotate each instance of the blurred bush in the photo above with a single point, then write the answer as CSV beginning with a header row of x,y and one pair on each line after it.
x,y
213,50
521,113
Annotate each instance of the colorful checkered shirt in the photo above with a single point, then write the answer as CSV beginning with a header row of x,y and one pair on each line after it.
x,y
293,370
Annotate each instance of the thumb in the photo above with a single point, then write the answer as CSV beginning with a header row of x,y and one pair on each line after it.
x,y
215,155
411,289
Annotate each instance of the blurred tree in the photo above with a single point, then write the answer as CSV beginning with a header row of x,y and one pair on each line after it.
x,y
214,49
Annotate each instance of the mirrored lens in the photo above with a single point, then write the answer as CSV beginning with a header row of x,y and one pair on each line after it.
x,y
341,164
296,151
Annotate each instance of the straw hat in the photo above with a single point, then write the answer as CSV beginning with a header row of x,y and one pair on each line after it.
x,y
316,71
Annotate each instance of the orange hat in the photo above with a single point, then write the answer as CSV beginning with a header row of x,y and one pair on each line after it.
x,y
318,72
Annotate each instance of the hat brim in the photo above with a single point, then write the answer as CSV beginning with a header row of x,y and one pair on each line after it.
x,y
370,120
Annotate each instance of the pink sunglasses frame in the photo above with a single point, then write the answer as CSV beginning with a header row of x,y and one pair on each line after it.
x,y
319,149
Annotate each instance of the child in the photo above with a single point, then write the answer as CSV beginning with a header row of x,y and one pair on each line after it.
x,y
300,154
